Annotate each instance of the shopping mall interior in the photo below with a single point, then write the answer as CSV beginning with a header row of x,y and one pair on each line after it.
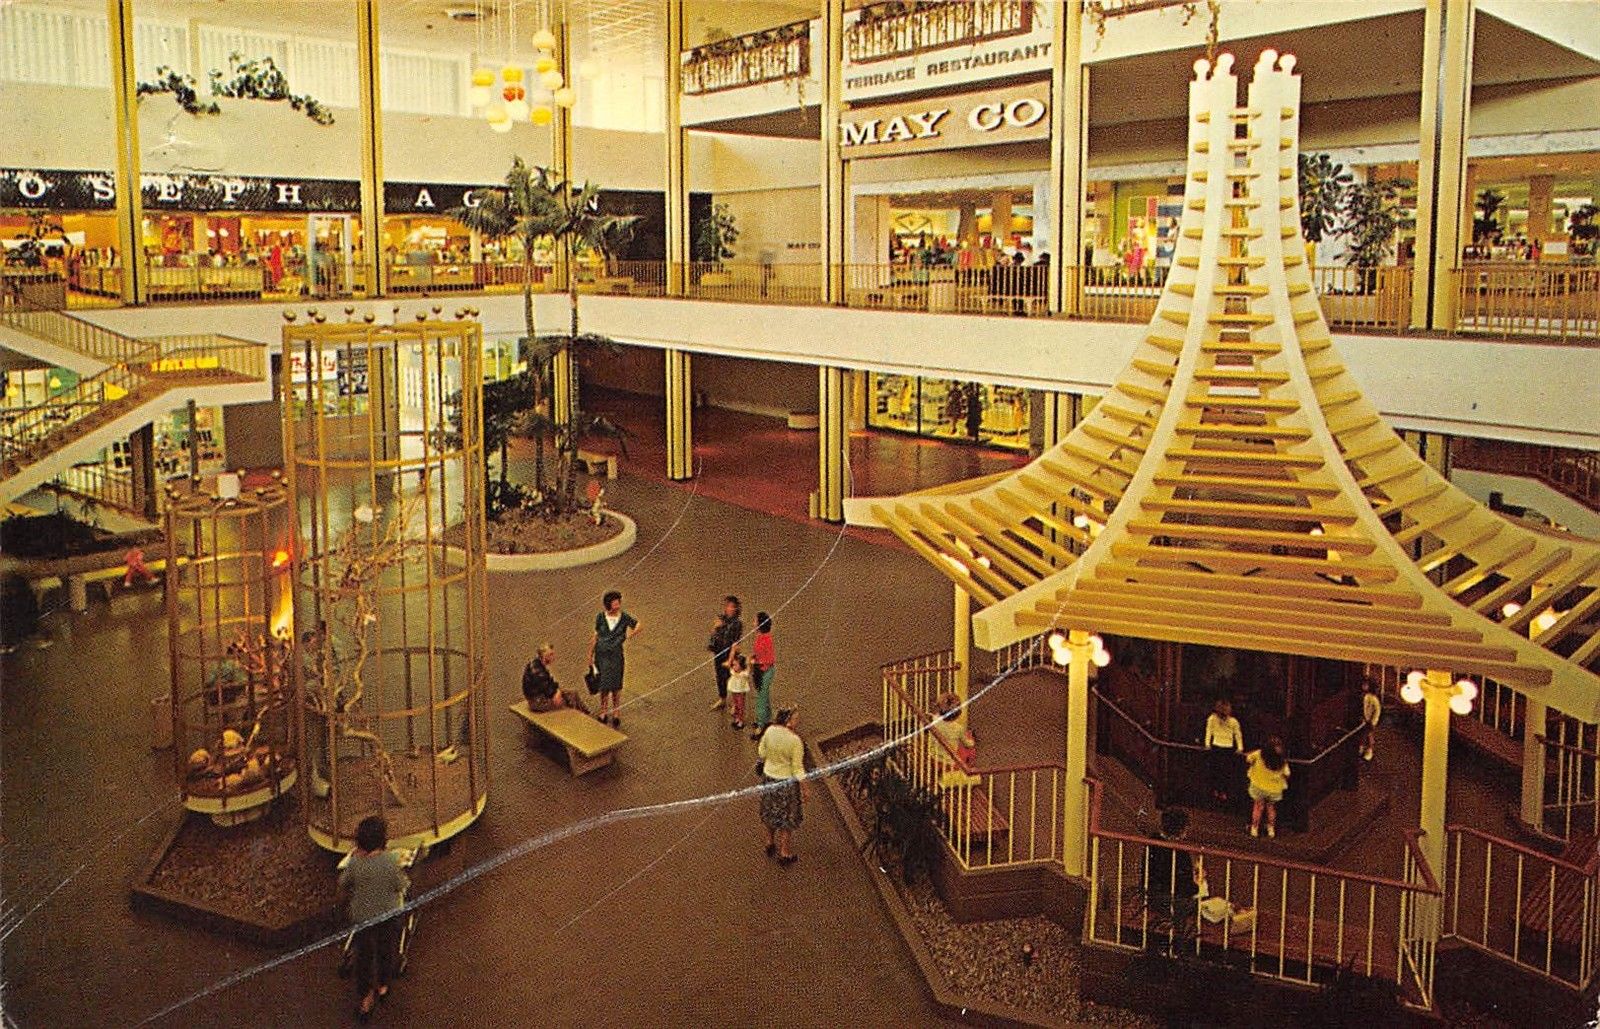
x,y
1109,490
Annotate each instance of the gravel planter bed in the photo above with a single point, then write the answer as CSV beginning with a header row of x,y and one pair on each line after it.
x,y
518,534
263,881
981,962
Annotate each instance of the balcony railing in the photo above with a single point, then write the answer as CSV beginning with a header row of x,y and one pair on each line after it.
x,y
1554,301
1527,907
899,28
770,55
1278,919
990,816
1575,473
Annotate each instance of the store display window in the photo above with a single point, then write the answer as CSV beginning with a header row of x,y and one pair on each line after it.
x,y
969,412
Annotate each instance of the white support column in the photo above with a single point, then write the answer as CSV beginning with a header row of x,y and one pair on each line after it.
x,y
1436,693
1075,795
963,648
1531,808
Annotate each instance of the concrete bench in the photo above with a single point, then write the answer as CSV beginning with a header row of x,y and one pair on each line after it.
x,y
589,744
591,461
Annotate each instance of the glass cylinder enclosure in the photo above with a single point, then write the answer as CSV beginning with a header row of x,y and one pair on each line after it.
x,y
383,439
228,597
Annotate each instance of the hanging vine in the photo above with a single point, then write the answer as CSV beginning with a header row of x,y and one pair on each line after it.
x,y
1100,10
260,79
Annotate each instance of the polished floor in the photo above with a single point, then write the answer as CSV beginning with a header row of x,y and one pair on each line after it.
x,y
761,464
666,918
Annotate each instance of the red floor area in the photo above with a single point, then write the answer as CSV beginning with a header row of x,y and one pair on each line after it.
x,y
762,465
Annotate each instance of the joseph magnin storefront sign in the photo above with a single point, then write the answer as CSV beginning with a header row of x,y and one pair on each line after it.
x,y
1012,115
96,191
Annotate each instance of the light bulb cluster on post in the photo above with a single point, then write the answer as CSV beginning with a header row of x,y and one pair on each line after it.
x,y
1462,694
1061,650
514,105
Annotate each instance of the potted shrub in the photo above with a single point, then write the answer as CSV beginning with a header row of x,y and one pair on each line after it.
x,y
712,244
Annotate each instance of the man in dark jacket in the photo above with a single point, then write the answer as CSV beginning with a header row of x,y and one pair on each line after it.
x,y
726,632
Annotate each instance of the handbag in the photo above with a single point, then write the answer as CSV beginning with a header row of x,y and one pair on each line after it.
x,y
591,679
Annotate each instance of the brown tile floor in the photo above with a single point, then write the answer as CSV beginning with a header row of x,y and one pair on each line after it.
x,y
667,919
760,464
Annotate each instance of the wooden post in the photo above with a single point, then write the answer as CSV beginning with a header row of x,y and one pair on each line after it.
x,y
1531,807
677,198
130,198
963,648
1436,693
833,443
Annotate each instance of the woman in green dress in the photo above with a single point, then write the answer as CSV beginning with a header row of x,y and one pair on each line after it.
x,y
613,627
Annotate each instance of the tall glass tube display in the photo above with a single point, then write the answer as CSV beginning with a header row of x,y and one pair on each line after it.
x,y
383,440
228,597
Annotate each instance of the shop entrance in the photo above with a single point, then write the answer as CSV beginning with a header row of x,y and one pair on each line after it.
x,y
977,249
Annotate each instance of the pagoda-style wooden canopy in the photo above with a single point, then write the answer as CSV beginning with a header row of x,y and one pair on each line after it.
x,y
1236,488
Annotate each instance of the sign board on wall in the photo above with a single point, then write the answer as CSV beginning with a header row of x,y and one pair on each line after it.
x,y
999,55
59,190
1010,115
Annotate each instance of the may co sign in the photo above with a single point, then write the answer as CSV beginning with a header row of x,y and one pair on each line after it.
x,y
947,123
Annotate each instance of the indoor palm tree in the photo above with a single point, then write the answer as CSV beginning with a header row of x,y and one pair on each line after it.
x,y
524,209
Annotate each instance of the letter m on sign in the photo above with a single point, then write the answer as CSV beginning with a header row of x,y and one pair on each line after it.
x,y
858,133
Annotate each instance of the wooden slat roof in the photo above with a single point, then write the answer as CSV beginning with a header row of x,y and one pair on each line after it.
x,y
1235,487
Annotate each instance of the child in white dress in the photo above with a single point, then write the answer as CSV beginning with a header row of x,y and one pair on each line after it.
x,y
738,686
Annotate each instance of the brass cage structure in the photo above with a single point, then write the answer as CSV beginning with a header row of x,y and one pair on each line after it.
x,y
235,738
383,443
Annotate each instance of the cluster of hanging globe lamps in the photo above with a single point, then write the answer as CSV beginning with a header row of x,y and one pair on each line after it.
x,y
552,89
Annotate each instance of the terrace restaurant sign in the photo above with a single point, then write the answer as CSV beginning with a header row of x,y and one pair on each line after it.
x,y
947,123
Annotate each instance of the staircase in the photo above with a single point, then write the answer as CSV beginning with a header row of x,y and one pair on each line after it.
x,y
132,381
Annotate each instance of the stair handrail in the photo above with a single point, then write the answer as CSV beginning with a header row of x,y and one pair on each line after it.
x,y
72,332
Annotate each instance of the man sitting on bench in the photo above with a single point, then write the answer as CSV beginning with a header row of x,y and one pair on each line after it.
x,y
540,688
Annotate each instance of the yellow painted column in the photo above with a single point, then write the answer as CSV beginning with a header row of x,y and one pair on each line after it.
x,y
963,647
1069,152
373,270
1541,206
677,190
1075,795
561,162
1531,806
130,199
563,387
1443,223
833,443
680,416
833,189
1436,693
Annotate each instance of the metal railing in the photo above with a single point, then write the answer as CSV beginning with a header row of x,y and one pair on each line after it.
x,y
1572,773
95,482
1575,473
1279,919
990,817
888,30
755,283
769,55
75,334
1553,301
1525,906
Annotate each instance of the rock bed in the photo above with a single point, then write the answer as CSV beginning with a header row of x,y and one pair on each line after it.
x,y
267,871
984,959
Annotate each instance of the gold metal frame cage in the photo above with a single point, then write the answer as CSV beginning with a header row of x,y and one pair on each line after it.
x,y
235,737
383,446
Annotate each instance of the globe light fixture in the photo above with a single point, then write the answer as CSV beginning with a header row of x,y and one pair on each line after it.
x,y
565,98
552,80
1510,609
1411,692
516,110
541,115
1461,705
544,40
544,64
482,81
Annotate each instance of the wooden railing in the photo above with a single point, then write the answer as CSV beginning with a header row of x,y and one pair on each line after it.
x,y
1572,775
1554,301
889,30
108,487
1524,906
770,55
990,816
1575,473
75,334
1306,922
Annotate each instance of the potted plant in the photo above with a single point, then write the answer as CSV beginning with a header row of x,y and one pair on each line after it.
x,y
1486,227
1372,220
1324,184
1583,231
713,241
